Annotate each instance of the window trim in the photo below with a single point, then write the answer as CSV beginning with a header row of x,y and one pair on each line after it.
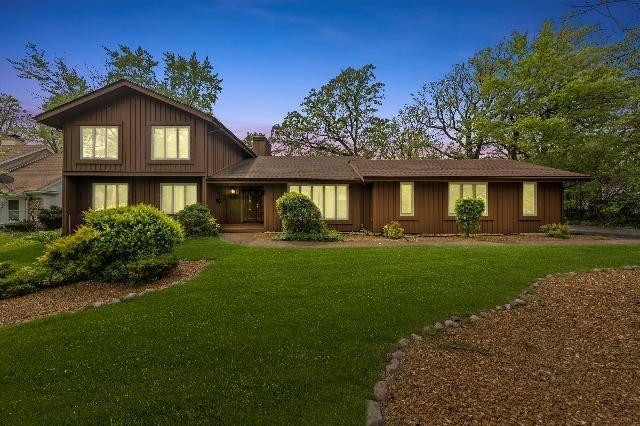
x,y
535,200
191,144
413,199
487,200
93,194
90,160
9,210
324,184
174,184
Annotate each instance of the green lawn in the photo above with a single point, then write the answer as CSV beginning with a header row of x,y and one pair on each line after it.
x,y
266,336
21,252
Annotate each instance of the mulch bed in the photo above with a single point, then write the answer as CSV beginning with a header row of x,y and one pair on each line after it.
x,y
570,356
80,295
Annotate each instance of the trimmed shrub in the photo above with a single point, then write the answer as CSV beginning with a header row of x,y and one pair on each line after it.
x,y
21,226
329,235
299,214
23,281
393,230
151,268
555,230
110,240
51,218
468,213
197,221
6,269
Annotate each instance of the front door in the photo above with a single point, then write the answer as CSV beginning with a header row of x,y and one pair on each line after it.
x,y
252,205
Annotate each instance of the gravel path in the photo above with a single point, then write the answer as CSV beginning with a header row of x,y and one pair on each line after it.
x,y
78,296
570,356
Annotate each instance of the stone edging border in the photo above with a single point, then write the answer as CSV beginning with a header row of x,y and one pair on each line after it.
x,y
380,389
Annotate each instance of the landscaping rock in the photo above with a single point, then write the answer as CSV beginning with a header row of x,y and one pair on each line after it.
x,y
380,390
98,304
507,306
456,319
438,326
415,336
115,300
426,329
474,318
450,323
397,354
484,314
130,296
499,307
374,415
393,365
403,343
518,302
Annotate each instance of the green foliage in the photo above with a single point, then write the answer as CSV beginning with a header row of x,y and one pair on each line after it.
x,y
337,119
110,240
555,230
6,268
327,236
136,65
197,221
44,236
51,218
393,230
20,226
299,214
151,268
468,213
22,281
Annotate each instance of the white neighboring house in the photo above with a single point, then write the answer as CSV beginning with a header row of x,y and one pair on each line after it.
x,y
35,179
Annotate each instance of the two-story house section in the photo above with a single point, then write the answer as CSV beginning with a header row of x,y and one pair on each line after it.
x,y
125,145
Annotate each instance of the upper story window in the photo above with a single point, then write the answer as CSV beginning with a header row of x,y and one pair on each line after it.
x,y
529,199
406,198
170,143
99,142
332,200
110,195
458,190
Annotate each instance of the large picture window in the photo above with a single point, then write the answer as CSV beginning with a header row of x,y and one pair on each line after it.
x,y
170,143
99,142
176,196
458,190
332,200
109,195
406,198
529,199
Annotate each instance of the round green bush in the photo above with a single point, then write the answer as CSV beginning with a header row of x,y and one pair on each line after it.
x,y
468,213
51,218
197,221
299,214
393,230
110,240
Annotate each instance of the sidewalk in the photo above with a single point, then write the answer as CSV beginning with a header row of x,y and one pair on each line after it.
x,y
604,231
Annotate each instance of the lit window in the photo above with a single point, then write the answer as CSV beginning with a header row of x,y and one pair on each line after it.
x,y
99,142
176,196
406,198
332,200
170,143
110,195
14,209
467,190
529,199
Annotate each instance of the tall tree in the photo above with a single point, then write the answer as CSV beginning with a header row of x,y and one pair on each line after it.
x,y
13,118
135,65
337,119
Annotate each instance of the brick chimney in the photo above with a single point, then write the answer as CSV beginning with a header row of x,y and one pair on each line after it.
x,y
261,145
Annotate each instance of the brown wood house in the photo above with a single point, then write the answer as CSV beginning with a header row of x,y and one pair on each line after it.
x,y
124,145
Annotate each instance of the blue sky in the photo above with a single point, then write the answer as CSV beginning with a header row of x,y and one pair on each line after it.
x,y
269,53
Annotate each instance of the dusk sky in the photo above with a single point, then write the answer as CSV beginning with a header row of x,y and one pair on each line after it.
x,y
270,53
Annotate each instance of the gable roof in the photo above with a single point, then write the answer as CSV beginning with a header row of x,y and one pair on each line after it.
x,y
14,156
358,169
36,176
291,168
55,117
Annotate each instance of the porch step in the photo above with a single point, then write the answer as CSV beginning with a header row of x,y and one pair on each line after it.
x,y
242,227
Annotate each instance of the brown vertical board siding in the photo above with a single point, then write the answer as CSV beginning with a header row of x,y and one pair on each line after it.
x,y
272,192
431,208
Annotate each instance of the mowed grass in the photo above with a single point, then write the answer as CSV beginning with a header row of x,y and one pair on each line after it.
x,y
19,251
263,336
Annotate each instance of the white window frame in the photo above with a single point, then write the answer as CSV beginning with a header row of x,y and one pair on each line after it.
x,y
535,199
105,184
486,200
9,210
154,157
93,145
324,198
413,203
184,186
